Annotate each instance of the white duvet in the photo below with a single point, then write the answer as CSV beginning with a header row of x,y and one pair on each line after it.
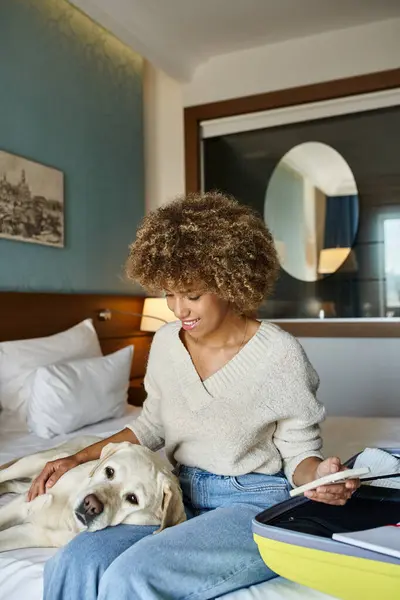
x,y
21,570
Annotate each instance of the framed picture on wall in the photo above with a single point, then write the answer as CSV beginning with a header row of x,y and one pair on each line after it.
x,y
31,201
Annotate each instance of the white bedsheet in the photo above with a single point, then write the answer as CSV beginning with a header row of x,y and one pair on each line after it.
x,y
21,570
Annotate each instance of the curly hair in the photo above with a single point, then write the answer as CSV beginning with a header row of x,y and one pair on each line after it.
x,y
209,240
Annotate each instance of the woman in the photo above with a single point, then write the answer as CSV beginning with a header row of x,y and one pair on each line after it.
x,y
231,399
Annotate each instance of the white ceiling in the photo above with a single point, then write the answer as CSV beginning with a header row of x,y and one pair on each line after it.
x,y
323,166
178,35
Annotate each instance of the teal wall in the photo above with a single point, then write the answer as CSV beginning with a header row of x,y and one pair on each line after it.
x,y
71,98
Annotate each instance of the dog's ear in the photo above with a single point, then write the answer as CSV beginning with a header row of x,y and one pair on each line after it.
x,y
172,508
107,451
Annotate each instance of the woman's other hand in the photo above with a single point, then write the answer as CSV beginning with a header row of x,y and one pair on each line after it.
x,y
335,493
51,473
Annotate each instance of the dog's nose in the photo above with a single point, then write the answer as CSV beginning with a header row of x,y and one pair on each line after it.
x,y
92,505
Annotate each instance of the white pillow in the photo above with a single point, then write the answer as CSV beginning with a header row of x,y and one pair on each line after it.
x,y
67,396
20,358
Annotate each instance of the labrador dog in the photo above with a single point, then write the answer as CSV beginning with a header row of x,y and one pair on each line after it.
x,y
128,484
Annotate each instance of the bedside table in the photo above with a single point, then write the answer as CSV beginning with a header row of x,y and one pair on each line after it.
x,y
136,393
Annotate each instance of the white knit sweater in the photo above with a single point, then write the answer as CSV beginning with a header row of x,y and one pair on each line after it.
x,y
258,413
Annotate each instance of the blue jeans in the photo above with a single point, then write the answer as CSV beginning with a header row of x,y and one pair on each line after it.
x,y
209,555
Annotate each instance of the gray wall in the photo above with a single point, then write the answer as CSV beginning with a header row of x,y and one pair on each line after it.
x,y
359,377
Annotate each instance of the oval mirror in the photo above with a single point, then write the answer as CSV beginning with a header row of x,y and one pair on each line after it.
x,y
311,207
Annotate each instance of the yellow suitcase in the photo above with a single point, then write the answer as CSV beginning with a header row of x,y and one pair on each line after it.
x,y
294,539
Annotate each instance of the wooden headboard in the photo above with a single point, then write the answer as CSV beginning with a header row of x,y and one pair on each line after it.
x,y
26,315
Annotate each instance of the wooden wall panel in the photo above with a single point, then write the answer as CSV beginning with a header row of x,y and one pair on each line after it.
x,y
29,314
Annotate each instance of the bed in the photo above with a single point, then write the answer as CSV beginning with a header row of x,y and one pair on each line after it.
x,y
37,315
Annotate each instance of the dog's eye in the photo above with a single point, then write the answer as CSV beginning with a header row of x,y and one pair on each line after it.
x,y
109,471
132,499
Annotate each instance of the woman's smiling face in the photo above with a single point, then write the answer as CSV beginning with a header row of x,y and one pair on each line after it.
x,y
199,312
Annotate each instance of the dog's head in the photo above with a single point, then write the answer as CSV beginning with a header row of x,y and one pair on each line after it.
x,y
129,484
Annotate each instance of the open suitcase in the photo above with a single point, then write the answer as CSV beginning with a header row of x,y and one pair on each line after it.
x,y
294,539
